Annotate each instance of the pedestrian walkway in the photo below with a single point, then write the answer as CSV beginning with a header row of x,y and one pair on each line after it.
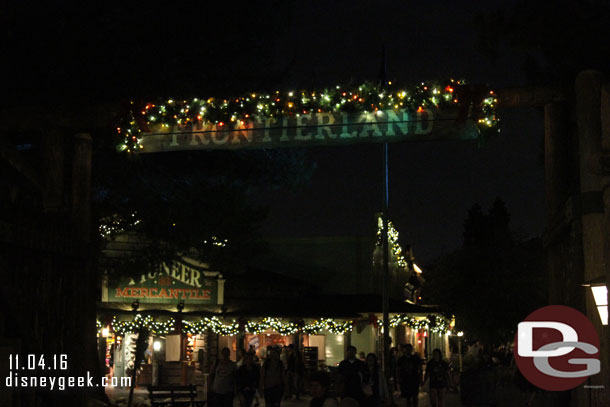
x,y
453,400
119,397
506,396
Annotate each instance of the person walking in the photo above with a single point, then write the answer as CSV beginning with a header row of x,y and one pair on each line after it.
x,y
393,362
409,374
291,364
375,387
437,371
273,379
248,377
299,374
352,371
223,380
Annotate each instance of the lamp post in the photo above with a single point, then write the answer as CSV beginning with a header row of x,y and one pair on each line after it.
x,y
459,335
155,362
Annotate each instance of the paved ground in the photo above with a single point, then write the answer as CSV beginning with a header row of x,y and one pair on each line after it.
x,y
506,396
119,396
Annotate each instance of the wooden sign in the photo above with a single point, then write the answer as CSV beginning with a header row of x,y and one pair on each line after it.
x,y
172,283
313,129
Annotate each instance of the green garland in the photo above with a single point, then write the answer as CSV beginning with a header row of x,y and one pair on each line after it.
x,y
121,328
434,323
159,328
368,97
329,325
275,324
213,324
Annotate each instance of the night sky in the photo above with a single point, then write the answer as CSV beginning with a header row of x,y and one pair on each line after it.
x,y
433,184
113,51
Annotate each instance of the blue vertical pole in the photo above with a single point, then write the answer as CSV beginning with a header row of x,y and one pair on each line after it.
x,y
386,269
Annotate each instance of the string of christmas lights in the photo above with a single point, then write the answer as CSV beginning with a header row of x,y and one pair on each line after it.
x,y
368,97
283,328
392,242
213,324
159,328
432,322
330,325
114,225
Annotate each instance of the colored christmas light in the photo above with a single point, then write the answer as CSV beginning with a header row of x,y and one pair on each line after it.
x,y
366,97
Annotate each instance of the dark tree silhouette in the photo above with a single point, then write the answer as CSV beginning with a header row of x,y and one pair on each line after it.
x,y
494,281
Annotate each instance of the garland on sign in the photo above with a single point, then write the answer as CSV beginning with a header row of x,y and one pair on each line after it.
x,y
159,328
368,97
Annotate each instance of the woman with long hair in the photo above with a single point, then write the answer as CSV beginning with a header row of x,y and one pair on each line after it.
x,y
273,379
375,387
437,371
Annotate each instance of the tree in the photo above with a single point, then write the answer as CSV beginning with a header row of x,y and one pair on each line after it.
x,y
203,204
493,281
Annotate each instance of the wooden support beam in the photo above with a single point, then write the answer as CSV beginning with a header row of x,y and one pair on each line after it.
x,y
529,96
53,173
84,117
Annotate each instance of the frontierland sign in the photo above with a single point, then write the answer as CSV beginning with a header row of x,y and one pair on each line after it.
x,y
313,129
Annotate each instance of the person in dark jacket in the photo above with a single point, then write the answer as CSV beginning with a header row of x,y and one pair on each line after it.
x,y
352,371
248,377
223,376
273,379
409,374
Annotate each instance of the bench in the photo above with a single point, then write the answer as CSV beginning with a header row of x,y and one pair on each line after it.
x,y
174,396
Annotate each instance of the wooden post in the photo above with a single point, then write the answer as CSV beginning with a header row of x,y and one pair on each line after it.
x,y
588,114
605,144
53,176
83,274
556,158
81,189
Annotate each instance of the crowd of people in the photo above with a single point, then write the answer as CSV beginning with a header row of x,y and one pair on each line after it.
x,y
358,381
279,375
362,381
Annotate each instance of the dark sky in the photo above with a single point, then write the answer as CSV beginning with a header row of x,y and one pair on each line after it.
x,y
432,185
109,51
